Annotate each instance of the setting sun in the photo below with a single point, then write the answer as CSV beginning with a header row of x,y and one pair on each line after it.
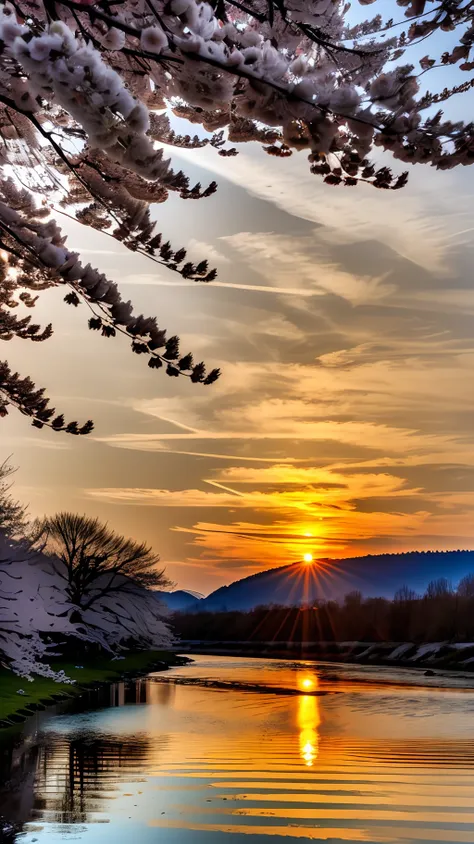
x,y
308,558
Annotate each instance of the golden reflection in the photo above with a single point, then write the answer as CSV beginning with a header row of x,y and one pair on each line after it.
x,y
307,682
308,722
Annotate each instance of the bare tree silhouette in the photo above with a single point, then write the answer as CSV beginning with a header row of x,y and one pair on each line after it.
x,y
98,561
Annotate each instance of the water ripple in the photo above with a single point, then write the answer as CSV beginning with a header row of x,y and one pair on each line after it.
x,y
193,765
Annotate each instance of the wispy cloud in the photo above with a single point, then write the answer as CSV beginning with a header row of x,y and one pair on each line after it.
x,y
307,508
414,222
147,279
206,251
289,259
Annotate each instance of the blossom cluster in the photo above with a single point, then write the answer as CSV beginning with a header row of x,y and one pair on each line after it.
x,y
297,67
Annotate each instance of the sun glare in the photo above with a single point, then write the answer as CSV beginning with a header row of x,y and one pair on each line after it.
x,y
308,558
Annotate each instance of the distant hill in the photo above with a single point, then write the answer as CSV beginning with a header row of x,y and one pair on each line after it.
x,y
374,575
178,600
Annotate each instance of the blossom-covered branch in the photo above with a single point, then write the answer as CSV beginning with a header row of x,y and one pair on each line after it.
x,y
86,94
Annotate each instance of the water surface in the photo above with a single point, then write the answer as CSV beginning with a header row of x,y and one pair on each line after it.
x,y
357,754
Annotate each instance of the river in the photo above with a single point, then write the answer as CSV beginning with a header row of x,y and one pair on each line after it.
x,y
235,750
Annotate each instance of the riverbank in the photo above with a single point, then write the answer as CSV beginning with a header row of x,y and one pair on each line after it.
x,y
19,698
458,656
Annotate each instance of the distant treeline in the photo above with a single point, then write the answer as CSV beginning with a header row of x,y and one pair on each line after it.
x,y
442,613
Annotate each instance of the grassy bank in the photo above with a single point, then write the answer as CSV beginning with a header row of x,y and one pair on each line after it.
x,y
15,707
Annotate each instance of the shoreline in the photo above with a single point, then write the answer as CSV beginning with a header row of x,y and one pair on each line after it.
x,y
20,699
438,656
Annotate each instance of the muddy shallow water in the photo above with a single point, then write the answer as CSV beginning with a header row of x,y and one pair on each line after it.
x,y
209,753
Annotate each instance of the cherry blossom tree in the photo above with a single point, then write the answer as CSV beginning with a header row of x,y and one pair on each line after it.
x,y
87,90
35,604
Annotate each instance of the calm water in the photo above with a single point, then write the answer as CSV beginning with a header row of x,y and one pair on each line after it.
x,y
355,755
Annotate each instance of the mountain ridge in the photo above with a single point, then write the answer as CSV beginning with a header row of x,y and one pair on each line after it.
x,y
375,575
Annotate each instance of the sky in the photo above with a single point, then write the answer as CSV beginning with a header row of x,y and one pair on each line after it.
x,y
342,319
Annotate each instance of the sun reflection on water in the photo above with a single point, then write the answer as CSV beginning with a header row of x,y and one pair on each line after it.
x,y
308,722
